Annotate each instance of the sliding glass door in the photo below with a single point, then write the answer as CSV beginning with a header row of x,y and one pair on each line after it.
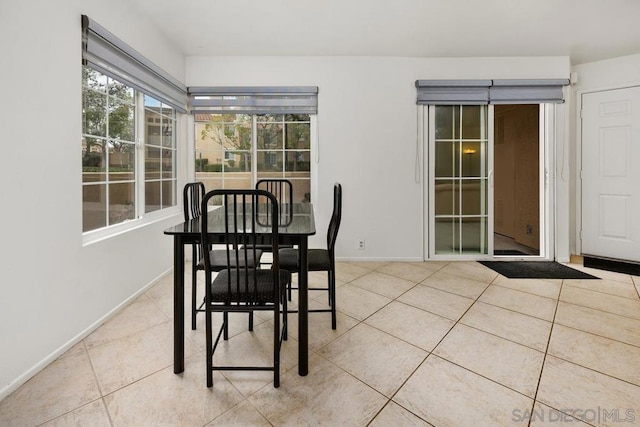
x,y
488,193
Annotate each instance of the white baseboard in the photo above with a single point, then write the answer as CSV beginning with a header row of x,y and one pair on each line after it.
x,y
383,259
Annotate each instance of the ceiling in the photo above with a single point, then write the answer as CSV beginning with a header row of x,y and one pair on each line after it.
x,y
585,30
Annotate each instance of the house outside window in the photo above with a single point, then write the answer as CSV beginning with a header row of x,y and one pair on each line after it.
x,y
236,150
160,155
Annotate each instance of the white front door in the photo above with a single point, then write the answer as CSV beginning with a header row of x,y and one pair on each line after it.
x,y
611,174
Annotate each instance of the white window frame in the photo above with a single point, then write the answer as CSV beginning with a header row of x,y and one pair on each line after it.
x,y
141,218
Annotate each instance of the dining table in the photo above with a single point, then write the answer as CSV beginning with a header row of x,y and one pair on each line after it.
x,y
295,232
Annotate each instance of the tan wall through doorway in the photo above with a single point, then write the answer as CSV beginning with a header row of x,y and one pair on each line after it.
x,y
516,173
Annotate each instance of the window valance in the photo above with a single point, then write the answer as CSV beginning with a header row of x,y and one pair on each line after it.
x,y
499,91
254,99
453,92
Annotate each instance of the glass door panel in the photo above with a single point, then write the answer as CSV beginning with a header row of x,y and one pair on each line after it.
x,y
460,180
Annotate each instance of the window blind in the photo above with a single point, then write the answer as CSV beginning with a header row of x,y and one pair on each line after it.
x,y
527,91
254,99
453,92
106,53
480,92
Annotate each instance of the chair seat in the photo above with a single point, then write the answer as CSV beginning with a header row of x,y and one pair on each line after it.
x,y
319,260
218,258
264,284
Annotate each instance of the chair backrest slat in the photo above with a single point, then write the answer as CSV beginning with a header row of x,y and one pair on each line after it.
x,y
282,189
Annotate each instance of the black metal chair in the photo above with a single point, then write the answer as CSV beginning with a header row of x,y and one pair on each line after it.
x,y
243,286
320,259
192,198
193,194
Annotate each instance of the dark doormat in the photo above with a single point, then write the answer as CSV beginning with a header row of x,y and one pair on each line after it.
x,y
535,270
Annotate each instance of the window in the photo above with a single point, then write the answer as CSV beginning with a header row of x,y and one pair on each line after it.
x,y
160,155
112,179
236,150
129,115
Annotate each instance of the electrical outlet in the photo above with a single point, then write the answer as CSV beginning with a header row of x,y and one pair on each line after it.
x,y
361,244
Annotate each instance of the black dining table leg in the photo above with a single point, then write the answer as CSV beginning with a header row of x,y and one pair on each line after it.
x,y
303,305
178,304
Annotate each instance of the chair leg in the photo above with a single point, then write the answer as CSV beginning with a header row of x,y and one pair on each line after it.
x,y
285,323
251,321
276,345
225,325
209,350
194,287
332,296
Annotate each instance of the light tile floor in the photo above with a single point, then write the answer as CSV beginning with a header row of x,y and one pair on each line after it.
x,y
417,344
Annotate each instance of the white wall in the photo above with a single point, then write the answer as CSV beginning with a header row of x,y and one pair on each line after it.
x,y
612,73
367,133
601,75
54,290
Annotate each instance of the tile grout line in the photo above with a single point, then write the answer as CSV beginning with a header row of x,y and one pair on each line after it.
x,y
599,310
604,294
525,292
569,285
101,398
597,335
546,352
95,377
245,399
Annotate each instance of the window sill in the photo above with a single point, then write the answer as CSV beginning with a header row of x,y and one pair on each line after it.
x,y
95,236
